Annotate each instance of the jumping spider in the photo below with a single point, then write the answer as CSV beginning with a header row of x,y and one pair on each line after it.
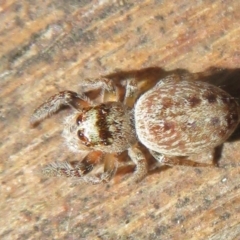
x,y
174,118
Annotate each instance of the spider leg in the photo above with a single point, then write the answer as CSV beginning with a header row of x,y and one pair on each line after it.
x,y
109,89
65,169
141,163
110,168
73,169
105,84
163,159
54,103
197,160
131,93
78,171
112,89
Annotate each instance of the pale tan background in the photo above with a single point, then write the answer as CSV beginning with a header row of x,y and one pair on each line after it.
x,y
47,46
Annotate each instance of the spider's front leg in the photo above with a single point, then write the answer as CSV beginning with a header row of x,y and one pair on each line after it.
x,y
54,103
79,171
73,169
110,168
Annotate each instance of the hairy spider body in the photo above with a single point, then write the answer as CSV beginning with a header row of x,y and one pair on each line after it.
x,y
185,118
174,118
107,127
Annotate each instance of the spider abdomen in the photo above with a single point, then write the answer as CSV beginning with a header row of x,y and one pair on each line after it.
x,y
183,118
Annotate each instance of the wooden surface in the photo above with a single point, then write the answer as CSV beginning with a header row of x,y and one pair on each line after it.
x,y
48,46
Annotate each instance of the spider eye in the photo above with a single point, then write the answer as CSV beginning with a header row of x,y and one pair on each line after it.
x,y
79,119
80,134
83,138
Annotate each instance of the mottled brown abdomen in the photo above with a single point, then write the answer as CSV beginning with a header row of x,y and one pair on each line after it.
x,y
186,117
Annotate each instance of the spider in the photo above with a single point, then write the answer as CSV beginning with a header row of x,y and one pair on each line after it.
x,y
174,118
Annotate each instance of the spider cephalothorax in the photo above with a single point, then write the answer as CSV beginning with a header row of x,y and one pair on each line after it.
x,y
106,127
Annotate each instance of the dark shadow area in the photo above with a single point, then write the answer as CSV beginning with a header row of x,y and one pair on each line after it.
x,y
226,79
217,155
